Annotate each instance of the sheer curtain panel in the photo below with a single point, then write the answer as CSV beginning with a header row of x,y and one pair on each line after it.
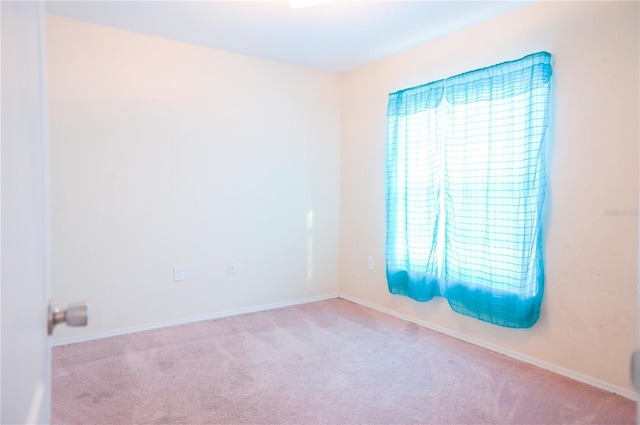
x,y
465,187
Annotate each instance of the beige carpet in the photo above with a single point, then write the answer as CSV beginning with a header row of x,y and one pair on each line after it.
x,y
331,362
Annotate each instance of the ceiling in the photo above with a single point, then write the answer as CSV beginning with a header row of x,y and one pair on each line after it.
x,y
336,37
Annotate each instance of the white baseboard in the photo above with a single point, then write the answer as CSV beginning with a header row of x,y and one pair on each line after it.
x,y
509,353
191,319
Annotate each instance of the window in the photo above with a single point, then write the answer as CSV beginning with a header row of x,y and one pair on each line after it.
x,y
465,186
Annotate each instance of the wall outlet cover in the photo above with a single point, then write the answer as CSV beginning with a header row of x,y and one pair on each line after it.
x,y
232,268
370,263
178,273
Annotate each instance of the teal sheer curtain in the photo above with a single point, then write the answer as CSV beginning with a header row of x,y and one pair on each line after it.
x,y
465,187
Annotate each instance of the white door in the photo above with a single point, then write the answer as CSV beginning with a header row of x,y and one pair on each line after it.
x,y
25,249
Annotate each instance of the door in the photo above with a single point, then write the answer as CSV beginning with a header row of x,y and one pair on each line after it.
x,y
25,389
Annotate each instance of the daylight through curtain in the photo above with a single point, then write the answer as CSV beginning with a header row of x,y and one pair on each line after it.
x,y
465,186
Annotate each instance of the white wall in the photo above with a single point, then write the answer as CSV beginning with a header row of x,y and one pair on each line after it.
x,y
165,154
588,324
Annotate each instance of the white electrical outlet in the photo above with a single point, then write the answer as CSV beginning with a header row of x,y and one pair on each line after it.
x,y
232,268
370,263
178,273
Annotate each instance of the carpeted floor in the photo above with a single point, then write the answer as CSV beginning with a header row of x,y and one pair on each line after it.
x,y
331,362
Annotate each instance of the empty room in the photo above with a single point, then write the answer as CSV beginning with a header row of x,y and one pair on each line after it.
x,y
337,212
